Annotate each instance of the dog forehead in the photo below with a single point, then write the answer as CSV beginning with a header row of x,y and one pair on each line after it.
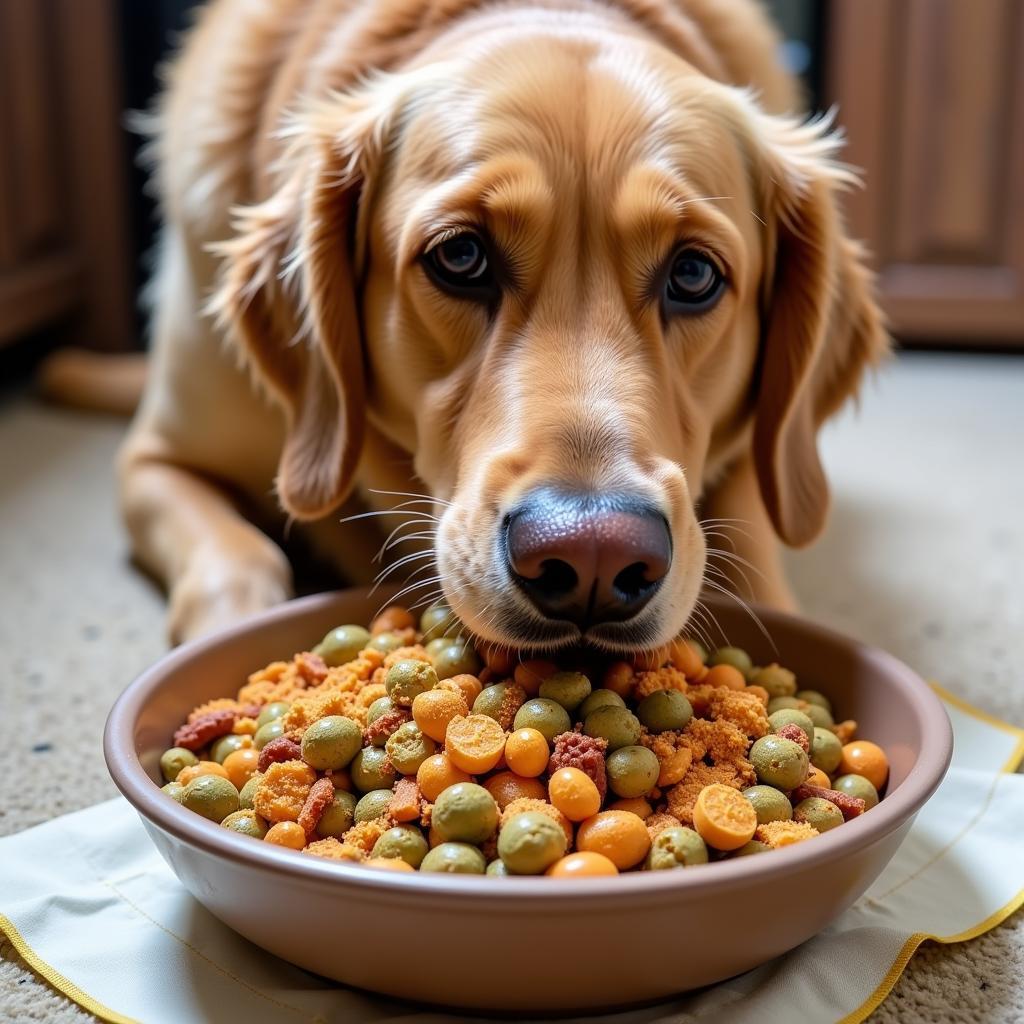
x,y
584,110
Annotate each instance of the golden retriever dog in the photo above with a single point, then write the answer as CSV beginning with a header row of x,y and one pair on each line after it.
x,y
565,281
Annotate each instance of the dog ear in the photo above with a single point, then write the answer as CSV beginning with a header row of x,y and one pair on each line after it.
x,y
288,296
820,325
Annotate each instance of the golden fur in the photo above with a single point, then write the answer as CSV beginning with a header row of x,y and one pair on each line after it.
x,y
310,150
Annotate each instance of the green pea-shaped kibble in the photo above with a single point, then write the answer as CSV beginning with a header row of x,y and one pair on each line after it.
x,y
753,846
407,679
248,791
858,786
530,842
778,681
820,716
371,769
454,858
818,813
438,620
266,733
435,646
619,726
779,762
826,750
547,717
408,748
491,699
456,659
342,645
600,698
570,689
247,823
385,643
228,745
339,817
790,716
498,868
211,796
403,842
735,656
273,711
173,760
769,804
330,743
664,710
373,805
380,707
464,813
783,703
632,771
815,697
174,790
677,848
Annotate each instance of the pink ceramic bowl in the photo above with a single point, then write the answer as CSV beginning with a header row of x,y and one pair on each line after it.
x,y
584,944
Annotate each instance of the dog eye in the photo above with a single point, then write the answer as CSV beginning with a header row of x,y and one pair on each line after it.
x,y
460,265
694,282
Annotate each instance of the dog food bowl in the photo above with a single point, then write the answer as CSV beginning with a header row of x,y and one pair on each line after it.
x,y
581,944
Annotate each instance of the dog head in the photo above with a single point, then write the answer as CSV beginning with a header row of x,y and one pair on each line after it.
x,y
575,279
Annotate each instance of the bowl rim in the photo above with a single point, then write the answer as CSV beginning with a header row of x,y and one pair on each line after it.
x,y
523,893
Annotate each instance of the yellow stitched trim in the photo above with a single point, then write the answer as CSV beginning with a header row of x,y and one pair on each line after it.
x,y
910,947
57,980
213,963
1013,763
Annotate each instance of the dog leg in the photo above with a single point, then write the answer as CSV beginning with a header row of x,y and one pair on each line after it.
x,y
201,438
748,533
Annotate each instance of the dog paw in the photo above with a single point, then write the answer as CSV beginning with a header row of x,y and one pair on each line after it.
x,y
211,595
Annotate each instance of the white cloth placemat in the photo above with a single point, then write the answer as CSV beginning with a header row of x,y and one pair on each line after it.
x,y
92,907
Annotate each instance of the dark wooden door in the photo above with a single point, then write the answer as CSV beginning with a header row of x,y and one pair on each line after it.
x,y
931,93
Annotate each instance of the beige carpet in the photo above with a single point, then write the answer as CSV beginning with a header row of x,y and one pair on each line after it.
x,y
923,556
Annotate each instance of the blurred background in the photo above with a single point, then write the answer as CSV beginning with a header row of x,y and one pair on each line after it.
x,y
930,92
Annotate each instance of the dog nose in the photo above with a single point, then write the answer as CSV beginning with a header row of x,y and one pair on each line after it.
x,y
587,558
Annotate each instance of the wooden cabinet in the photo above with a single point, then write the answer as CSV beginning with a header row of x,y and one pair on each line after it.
x,y
64,253
931,93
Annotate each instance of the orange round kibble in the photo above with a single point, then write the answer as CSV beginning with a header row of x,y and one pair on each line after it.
x,y
527,753
635,805
507,786
392,619
816,777
725,675
585,864
724,817
475,743
388,864
621,836
684,657
341,779
573,792
648,661
530,674
618,678
468,685
862,757
500,660
193,771
286,833
432,710
436,774
240,765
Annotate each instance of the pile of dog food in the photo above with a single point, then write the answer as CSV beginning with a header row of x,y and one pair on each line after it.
x,y
403,747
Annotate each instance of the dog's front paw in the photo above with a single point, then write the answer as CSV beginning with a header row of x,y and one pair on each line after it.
x,y
213,594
